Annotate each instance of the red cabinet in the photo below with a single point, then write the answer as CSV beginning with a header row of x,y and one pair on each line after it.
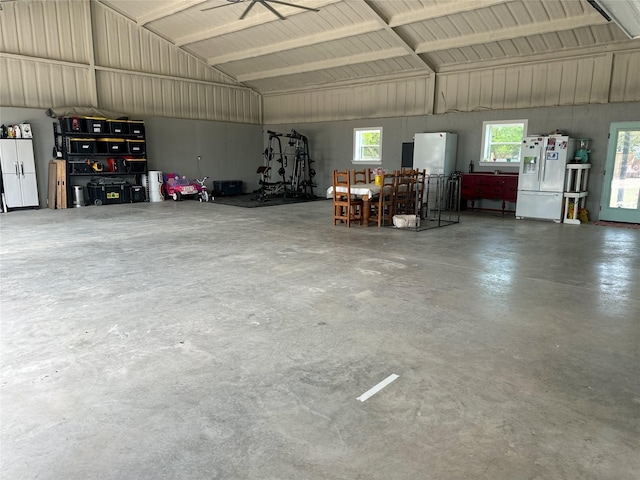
x,y
490,186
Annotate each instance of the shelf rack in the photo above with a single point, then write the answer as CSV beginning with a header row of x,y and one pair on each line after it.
x,y
577,179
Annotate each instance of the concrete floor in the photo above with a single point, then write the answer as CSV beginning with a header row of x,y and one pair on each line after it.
x,y
201,341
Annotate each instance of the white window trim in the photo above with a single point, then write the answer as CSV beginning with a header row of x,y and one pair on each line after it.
x,y
356,149
485,138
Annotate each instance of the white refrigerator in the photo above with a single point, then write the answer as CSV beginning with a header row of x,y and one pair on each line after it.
x,y
543,162
435,152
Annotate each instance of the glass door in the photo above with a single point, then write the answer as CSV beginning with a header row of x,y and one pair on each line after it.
x,y
620,194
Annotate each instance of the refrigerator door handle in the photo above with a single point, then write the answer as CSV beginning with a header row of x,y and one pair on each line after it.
x,y
543,167
539,168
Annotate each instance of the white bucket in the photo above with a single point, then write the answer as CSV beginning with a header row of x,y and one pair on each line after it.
x,y
155,186
406,221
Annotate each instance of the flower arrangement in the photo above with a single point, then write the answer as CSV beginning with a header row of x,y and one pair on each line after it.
x,y
379,171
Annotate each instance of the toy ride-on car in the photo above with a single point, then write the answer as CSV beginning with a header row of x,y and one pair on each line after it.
x,y
178,187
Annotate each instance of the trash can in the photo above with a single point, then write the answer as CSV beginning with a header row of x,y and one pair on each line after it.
x,y
155,186
78,196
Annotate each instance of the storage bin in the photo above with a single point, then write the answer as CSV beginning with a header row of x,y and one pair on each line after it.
x,y
117,127
72,125
227,187
109,194
136,147
136,165
138,193
95,125
136,127
111,145
82,145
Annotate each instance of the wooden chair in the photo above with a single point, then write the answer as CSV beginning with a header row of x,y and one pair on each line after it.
x,y
370,176
360,176
346,207
382,205
404,196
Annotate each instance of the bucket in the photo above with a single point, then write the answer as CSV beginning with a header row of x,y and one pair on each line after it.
x,y
78,196
155,183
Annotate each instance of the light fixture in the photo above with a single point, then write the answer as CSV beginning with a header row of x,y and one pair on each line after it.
x,y
625,13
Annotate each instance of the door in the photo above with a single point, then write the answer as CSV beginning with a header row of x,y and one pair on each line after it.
x,y
621,187
542,205
10,173
27,169
554,166
530,161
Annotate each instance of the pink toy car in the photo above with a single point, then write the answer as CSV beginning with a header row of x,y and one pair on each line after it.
x,y
178,187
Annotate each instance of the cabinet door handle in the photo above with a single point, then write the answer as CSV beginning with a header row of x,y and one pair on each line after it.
x,y
22,168
17,168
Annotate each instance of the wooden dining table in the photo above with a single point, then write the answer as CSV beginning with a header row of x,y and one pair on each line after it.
x,y
366,191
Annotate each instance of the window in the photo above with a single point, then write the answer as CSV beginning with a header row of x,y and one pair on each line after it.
x,y
501,141
367,145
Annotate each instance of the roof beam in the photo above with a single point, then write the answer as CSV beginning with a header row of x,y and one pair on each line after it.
x,y
325,64
167,10
314,39
442,10
248,22
527,60
551,26
366,5
350,83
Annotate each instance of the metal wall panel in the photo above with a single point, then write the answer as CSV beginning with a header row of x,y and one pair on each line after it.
x,y
53,29
385,99
573,81
120,43
46,60
25,83
625,77
164,97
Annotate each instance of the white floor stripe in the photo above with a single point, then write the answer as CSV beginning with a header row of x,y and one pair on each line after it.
x,y
372,391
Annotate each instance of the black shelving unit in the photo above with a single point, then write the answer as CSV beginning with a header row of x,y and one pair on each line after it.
x,y
104,152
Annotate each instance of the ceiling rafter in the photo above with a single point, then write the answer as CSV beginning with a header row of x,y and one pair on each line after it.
x,y
325,64
557,25
443,10
167,10
385,25
515,61
385,78
314,39
246,23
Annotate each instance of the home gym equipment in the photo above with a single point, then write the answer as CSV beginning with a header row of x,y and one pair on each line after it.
x,y
300,181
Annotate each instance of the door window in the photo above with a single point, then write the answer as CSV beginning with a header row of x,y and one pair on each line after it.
x,y
621,192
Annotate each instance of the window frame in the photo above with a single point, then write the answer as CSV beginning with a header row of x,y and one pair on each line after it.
x,y
486,140
357,146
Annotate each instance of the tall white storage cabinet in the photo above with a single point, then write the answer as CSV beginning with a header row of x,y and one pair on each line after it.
x,y
18,172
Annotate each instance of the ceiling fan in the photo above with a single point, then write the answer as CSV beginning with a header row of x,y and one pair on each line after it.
x,y
266,4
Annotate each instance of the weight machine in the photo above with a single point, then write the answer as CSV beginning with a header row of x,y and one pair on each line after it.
x,y
300,182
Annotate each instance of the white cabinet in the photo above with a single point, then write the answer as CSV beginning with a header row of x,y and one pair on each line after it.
x,y
18,172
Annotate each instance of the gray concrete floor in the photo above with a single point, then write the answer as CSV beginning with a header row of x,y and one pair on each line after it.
x,y
194,341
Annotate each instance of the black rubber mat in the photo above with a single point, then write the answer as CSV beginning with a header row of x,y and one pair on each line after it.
x,y
249,200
